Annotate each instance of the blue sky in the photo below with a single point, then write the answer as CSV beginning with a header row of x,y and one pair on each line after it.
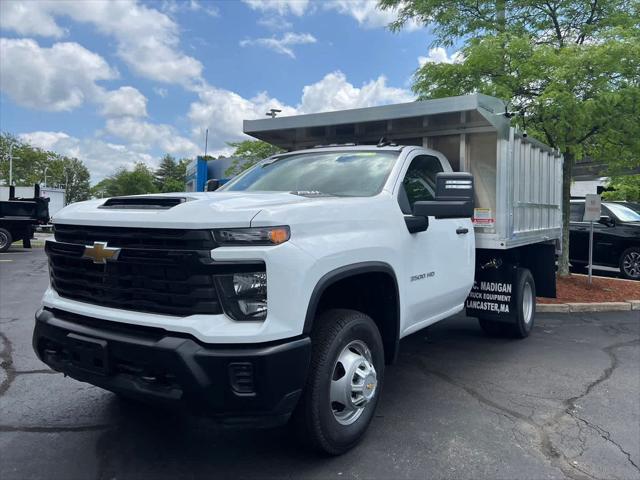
x,y
118,82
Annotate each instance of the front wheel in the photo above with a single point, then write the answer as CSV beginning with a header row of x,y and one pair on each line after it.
x,y
521,324
344,383
630,263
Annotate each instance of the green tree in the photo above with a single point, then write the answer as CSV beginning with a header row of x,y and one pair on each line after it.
x,y
248,153
625,187
34,165
137,181
170,176
570,68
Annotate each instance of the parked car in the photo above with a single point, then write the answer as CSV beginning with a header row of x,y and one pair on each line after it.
x,y
616,238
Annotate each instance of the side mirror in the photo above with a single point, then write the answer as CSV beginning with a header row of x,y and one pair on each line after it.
x,y
454,197
607,220
212,185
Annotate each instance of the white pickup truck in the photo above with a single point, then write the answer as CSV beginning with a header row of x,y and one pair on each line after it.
x,y
281,296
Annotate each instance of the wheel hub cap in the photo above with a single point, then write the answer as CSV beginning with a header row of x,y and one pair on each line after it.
x,y
631,264
354,383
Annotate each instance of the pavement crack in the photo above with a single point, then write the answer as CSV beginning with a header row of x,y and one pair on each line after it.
x,y
606,436
54,429
545,445
41,371
570,403
6,363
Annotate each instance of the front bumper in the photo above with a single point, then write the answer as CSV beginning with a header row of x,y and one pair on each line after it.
x,y
237,384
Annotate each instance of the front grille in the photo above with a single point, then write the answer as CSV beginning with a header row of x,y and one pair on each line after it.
x,y
158,281
144,238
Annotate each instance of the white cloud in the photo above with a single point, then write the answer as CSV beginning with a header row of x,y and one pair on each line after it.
x,y
334,92
44,140
147,39
178,6
439,55
280,7
222,111
58,78
365,12
22,18
144,136
275,22
281,45
126,101
101,158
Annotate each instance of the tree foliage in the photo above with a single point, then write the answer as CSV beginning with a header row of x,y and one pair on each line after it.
x,y
31,165
625,187
170,176
569,68
248,153
139,180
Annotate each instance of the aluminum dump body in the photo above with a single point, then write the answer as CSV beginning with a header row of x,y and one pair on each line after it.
x,y
518,179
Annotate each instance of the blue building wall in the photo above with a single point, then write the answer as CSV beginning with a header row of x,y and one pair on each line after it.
x,y
200,170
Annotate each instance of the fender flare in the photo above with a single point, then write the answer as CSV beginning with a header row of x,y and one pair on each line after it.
x,y
347,271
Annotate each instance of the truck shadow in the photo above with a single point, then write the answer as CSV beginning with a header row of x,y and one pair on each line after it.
x,y
153,443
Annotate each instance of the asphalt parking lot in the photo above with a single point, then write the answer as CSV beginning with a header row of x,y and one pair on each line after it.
x,y
565,403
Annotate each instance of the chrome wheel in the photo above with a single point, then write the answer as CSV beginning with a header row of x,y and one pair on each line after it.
x,y
527,303
354,383
631,264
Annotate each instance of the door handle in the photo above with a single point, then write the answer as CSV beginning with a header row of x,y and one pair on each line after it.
x,y
462,231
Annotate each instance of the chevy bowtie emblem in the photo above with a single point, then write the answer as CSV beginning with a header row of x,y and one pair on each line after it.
x,y
100,253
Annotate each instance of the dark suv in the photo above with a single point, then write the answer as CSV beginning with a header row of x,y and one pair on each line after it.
x,y
616,238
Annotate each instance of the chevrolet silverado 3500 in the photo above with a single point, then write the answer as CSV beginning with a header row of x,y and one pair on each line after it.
x,y
281,296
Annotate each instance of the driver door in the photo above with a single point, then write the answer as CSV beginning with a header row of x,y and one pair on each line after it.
x,y
438,262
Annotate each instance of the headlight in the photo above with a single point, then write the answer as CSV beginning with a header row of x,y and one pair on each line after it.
x,y
252,236
244,295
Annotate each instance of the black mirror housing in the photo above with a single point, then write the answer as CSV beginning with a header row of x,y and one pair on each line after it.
x,y
212,185
454,197
606,220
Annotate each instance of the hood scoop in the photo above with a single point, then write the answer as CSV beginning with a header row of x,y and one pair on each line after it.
x,y
144,203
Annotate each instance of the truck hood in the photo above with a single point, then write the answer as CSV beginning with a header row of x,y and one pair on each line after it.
x,y
200,210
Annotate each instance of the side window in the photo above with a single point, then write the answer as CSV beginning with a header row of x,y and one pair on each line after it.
x,y
577,212
419,182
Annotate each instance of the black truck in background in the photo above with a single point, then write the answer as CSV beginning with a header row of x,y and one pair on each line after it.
x,y
20,216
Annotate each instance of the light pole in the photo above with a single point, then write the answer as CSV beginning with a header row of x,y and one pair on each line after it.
x,y
11,164
46,167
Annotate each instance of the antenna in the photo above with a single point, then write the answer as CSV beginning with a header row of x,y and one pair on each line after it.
x,y
273,112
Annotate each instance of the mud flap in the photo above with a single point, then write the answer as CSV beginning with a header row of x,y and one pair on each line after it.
x,y
494,295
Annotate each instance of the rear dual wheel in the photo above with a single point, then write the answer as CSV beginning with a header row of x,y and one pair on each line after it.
x,y
522,323
344,382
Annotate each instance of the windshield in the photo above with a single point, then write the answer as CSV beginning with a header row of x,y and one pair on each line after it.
x,y
624,214
344,173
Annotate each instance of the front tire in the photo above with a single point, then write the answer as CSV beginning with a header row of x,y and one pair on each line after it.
x,y
630,263
344,382
5,239
522,324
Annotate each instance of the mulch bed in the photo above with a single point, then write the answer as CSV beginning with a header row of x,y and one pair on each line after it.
x,y
576,289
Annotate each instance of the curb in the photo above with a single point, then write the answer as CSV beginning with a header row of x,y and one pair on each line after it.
x,y
588,307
